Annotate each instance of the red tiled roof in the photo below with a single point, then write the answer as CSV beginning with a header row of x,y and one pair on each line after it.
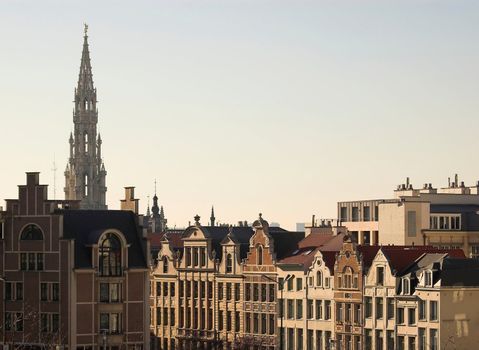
x,y
175,238
303,257
314,240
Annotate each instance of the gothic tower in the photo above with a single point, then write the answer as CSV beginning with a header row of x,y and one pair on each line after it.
x,y
85,172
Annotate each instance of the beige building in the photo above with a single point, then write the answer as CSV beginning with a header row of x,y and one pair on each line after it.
x,y
306,292
445,217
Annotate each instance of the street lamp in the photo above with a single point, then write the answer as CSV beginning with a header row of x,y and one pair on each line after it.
x,y
280,287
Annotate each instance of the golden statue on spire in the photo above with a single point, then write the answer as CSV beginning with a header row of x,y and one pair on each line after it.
x,y
85,28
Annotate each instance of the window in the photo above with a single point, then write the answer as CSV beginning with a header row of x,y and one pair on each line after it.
x,y
368,339
319,309
422,339
405,286
433,310
343,214
319,279
380,275
109,292
229,264
400,345
85,182
195,256
400,315
263,291
390,340
433,341
228,291
247,292
347,313
188,256
39,261
299,284
366,213
85,138
31,233
475,251
220,291
49,322
347,277
259,255
411,316
428,278
172,289
255,292
355,214
390,308
203,256
290,284
44,291
237,321
299,309
309,309
165,288
165,264
422,310
411,223
379,308
339,312
272,291
31,261
412,343
327,309
290,310
110,256
19,290
379,340
369,307
23,261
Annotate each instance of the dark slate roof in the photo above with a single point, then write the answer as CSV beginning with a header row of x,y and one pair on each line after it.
x,y
285,242
469,216
85,227
460,273
241,234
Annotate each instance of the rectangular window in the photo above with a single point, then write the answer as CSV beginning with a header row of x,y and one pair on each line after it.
x,y
165,289
210,290
433,310
357,314
220,320
327,309
411,223
55,322
390,308
347,312
272,290
299,344
339,312
172,317
290,310
247,292
8,291
228,291
299,309
433,339
237,321
248,322
390,340
203,256
411,343
115,292
272,325
355,214
55,291
379,308
19,290
158,315
23,261
379,340
255,292
380,275
299,284
319,309
104,293
400,340
255,323
310,309
220,291
31,261
104,322
172,289
44,323
369,307
290,284
44,291
411,316
421,339
422,310
237,291
343,214
400,315
40,261
366,213
263,292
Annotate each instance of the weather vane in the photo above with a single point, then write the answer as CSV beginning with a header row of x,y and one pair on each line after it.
x,y
86,28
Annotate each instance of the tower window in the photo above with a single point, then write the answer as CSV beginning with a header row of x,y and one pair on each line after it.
x,y
86,185
259,255
85,142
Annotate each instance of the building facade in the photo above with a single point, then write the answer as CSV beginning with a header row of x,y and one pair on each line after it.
x,y
72,278
85,174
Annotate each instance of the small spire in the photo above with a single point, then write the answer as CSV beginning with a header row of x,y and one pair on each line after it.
x,y
148,207
212,217
85,29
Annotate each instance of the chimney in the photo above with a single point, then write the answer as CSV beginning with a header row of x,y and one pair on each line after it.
x,y
312,220
130,203
456,180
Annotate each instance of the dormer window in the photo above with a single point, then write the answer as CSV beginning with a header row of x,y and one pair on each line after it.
x,y
380,275
165,264
259,254
406,286
229,264
428,278
110,256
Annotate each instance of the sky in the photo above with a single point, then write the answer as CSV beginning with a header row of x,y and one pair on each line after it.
x,y
279,107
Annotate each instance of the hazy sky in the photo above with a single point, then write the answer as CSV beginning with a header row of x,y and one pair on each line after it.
x,y
283,107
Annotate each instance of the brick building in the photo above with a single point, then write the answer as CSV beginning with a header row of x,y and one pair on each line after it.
x,y
72,278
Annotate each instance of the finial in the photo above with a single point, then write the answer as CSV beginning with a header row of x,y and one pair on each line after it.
x,y
85,28
197,219
260,215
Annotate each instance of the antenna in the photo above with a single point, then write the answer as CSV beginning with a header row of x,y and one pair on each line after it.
x,y
54,169
155,186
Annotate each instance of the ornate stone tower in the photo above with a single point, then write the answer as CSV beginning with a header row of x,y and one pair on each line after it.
x,y
85,172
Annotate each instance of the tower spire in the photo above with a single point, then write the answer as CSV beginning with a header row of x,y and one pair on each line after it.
x,y
85,174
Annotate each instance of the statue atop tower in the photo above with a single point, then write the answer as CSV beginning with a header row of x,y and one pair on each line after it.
x,y
85,172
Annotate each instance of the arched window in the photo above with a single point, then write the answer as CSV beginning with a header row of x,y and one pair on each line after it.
x,y
85,142
347,277
229,264
259,254
165,264
85,190
319,279
110,256
31,233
